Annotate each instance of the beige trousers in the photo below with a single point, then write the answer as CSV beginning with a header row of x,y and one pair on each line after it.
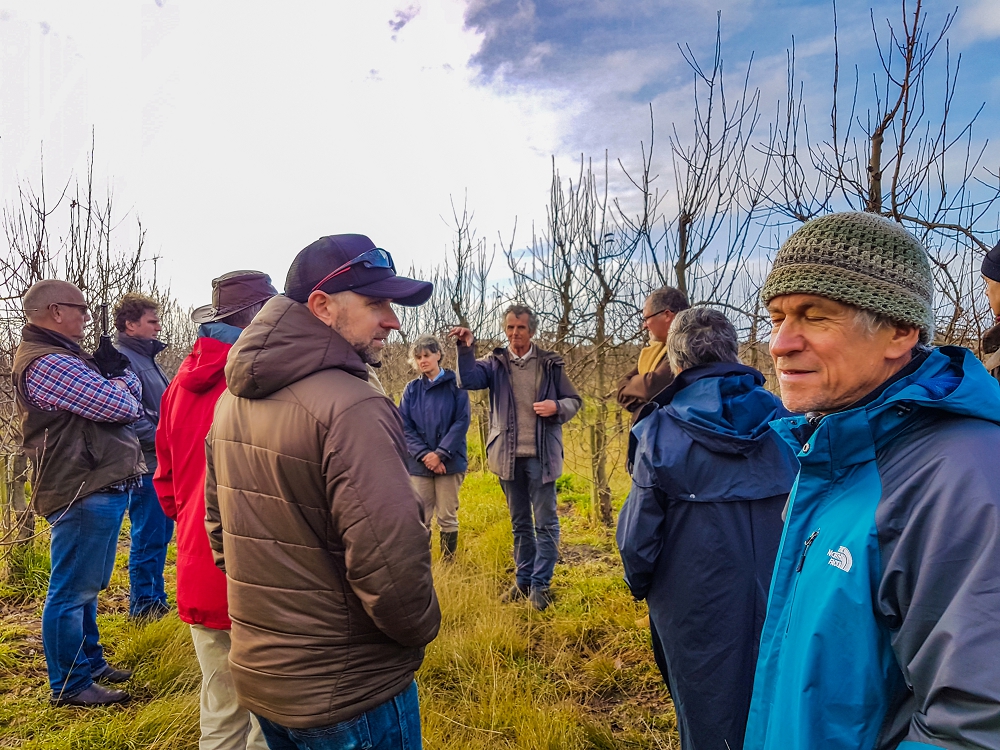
x,y
440,496
224,724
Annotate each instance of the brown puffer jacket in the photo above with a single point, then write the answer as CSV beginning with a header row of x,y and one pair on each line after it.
x,y
311,514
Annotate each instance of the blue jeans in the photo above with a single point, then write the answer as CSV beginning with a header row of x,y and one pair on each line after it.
x,y
84,540
151,532
394,725
533,516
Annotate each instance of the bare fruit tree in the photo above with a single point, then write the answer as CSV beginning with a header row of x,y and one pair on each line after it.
x,y
896,151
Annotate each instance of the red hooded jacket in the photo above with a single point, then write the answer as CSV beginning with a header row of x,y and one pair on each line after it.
x,y
185,418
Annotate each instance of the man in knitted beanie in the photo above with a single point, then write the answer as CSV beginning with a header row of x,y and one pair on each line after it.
x,y
884,609
991,339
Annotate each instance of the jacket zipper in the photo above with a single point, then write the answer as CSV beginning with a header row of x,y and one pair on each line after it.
x,y
798,570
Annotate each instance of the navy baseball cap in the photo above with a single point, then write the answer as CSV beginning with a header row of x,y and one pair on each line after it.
x,y
351,262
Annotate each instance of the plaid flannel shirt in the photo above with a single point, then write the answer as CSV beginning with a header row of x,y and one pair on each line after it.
x,y
61,381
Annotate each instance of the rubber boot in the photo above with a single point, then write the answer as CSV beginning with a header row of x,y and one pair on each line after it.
x,y
449,543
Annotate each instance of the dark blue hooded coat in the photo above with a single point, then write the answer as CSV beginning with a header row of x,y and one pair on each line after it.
x,y
435,418
698,536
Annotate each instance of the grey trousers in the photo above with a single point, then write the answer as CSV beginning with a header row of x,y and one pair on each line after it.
x,y
440,496
224,724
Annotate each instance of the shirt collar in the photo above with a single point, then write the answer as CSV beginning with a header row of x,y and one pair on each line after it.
x,y
528,355
438,376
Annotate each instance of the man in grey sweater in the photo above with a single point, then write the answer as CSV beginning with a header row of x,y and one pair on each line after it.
x,y
530,400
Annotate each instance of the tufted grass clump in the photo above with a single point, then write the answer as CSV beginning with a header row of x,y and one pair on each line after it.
x,y
580,675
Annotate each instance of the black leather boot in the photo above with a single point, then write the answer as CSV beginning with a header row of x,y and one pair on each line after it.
x,y
449,543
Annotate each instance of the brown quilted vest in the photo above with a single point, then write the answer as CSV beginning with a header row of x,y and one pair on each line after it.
x,y
71,456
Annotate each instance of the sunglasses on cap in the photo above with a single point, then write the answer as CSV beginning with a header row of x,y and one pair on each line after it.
x,y
374,258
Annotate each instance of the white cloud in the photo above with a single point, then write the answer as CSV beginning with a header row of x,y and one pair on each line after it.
x,y
240,133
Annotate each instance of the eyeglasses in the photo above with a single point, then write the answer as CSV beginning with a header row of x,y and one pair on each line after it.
x,y
85,309
645,318
374,258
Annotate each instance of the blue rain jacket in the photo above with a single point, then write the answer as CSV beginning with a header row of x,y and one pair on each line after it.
x,y
698,536
435,418
883,622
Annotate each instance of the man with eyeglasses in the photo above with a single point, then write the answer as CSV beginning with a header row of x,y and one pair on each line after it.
x,y
76,412
311,513
652,372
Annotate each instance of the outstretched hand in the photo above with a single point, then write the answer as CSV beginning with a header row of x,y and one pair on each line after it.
x,y
461,335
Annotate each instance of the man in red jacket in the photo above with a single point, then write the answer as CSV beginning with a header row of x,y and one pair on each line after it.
x,y
185,418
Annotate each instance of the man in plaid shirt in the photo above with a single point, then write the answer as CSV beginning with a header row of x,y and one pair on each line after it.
x,y
76,412
59,381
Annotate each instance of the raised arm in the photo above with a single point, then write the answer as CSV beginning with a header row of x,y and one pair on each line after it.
x,y
473,374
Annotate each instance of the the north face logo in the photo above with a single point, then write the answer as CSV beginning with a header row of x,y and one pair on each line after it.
x,y
841,558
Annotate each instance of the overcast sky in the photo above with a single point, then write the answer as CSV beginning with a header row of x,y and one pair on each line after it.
x,y
240,132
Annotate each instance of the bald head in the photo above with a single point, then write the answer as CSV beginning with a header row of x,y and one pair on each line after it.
x,y
58,306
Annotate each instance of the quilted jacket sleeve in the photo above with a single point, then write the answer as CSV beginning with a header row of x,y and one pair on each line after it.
x,y
380,519
213,519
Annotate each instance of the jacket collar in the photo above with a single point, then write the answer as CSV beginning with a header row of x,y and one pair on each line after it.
x,y
445,376
38,335
146,347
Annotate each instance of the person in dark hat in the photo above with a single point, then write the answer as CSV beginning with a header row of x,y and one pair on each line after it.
x,y
311,513
991,339
185,417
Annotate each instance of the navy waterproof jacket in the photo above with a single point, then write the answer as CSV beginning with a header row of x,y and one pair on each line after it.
x,y
883,623
435,418
698,536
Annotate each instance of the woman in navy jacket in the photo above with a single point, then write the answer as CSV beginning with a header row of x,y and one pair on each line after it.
x,y
700,529
436,420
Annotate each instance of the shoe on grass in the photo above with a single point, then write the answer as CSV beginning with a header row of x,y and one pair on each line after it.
x,y
112,676
540,598
93,695
514,594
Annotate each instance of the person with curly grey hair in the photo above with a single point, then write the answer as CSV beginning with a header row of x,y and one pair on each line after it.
x,y
436,421
700,529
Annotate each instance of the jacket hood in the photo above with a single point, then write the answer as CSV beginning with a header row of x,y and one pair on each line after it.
x,y
285,343
204,367
951,381
722,406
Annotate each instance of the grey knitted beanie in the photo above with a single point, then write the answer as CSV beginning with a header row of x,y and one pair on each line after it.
x,y
860,259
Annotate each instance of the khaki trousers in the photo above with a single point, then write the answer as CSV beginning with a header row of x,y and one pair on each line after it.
x,y
440,496
224,724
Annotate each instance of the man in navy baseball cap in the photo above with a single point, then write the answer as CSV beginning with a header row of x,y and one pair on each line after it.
x,y
351,262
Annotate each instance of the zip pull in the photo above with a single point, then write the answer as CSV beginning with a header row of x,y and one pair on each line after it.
x,y
805,550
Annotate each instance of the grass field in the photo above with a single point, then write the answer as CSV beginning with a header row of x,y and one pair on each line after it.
x,y
580,675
